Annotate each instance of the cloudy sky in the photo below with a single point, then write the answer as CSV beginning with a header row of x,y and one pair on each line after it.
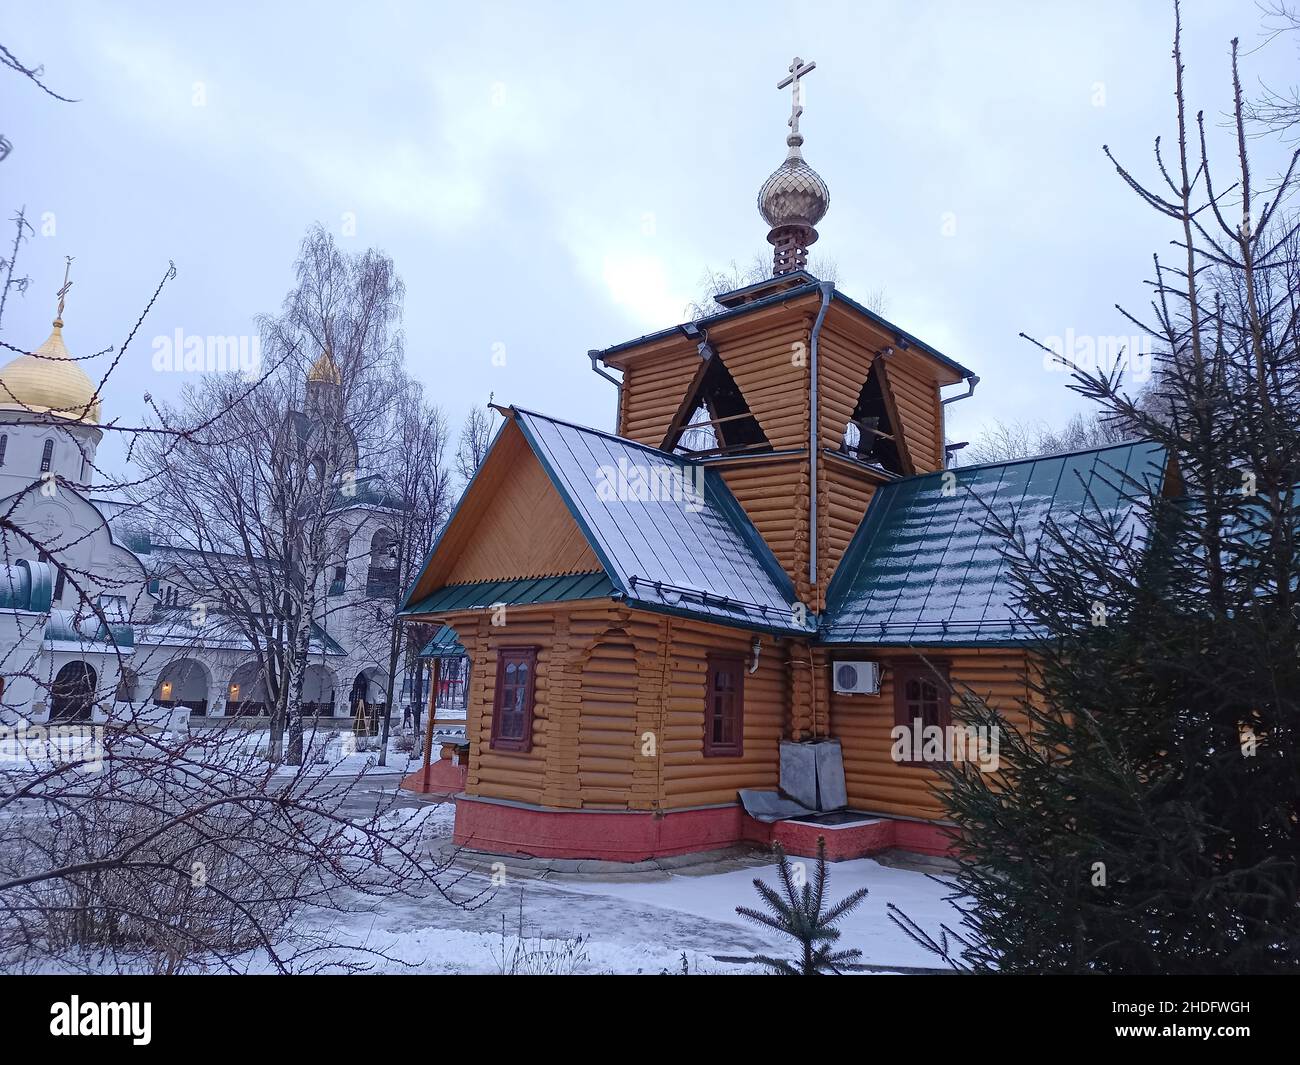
x,y
554,177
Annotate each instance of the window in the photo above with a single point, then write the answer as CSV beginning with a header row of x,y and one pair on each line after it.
x,y
922,692
46,456
512,707
871,434
58,587
4,444
717,419
724,706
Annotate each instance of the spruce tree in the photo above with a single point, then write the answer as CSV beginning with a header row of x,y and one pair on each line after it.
x,y
802,915
1146,821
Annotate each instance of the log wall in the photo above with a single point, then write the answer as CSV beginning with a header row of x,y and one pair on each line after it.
x,y
618,717
619,712
862,724
774,495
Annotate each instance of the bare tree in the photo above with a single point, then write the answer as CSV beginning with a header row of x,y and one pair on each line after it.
x,y
1002,441
1277,111
418,488
475,439
256,497
32,74
128,842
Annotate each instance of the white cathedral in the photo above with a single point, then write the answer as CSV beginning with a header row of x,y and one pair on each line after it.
x,y
57,661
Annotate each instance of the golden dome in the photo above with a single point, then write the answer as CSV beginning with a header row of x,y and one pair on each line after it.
x,y
49,382
325,370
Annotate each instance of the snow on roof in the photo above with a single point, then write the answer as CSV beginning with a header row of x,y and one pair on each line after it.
x,y
668,531
924,568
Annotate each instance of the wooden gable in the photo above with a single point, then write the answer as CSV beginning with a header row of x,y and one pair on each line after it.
x,y
511,523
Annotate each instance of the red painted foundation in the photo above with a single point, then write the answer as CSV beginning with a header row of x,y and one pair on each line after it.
x,y
509,828
440,778
861,839
617,836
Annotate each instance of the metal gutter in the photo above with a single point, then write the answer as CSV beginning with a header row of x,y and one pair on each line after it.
x,y
972,379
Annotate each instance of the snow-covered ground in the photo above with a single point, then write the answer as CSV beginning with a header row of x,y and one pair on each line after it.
x,y
617,925
336,753
623,922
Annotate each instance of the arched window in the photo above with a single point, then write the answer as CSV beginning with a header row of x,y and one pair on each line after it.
x,y
47,456
381,579
342,545
72,696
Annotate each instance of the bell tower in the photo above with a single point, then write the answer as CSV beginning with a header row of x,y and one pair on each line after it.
x,y
802,400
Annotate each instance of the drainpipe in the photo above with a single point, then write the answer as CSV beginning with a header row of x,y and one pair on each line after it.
x,y
971,381
594,355
828,290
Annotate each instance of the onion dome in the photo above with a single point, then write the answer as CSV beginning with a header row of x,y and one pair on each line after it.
x,y
795,194
325,371
48,381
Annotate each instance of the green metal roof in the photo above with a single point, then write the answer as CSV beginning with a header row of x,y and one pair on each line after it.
x,y
481,594
445,644
924,568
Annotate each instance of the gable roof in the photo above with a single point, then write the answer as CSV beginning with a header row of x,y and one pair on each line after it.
x,y
668,533
924,569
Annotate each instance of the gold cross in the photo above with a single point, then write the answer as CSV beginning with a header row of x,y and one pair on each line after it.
x,y
63,292
797,70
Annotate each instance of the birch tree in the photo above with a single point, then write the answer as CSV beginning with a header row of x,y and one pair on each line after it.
x,y
255,497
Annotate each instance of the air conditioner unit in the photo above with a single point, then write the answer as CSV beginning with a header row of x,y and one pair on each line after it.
x,y
857,678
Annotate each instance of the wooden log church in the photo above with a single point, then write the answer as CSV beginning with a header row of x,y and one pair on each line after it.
x,y
709,626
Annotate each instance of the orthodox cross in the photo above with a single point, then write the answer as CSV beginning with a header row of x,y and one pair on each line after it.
x,y
63,292
797,69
